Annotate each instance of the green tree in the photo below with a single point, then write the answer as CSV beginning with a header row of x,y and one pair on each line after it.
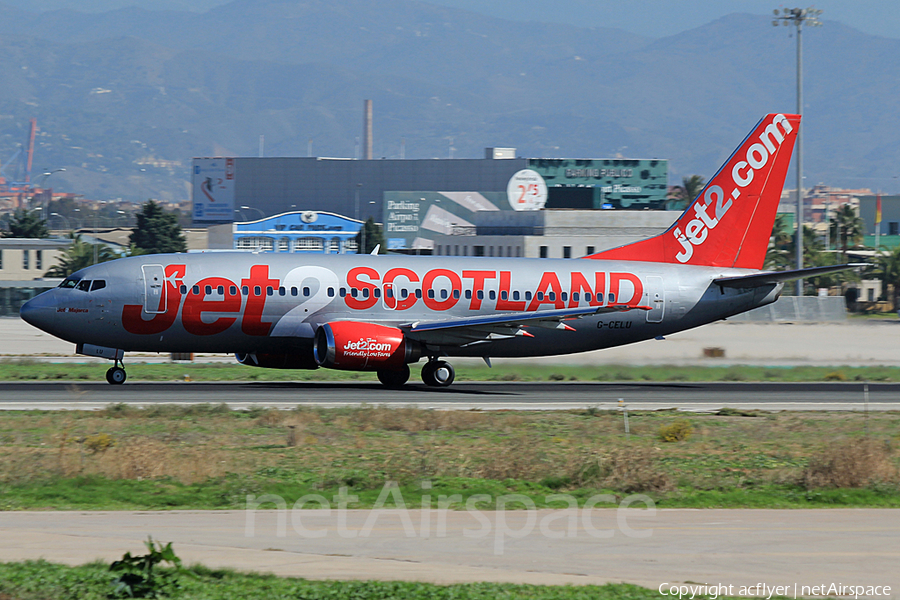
x,y
846,229
369,236
26,224
778,256
682,195
78,255
887,269
157,231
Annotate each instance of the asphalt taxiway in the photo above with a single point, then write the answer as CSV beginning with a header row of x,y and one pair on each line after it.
x,y
645,547
843,396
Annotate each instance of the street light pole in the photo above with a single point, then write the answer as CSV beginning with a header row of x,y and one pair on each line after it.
x,y
44,177
796,17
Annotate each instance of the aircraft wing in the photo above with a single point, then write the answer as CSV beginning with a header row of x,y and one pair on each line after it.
x,y
480,329
771,277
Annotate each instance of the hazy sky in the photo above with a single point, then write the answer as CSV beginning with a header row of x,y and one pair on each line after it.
x,y
655,18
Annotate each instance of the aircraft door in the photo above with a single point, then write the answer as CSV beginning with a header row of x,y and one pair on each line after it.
x,y
656,298
388,299
154,289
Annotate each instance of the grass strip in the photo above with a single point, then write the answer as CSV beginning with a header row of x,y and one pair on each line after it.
x,y
31,370
212,457
40,580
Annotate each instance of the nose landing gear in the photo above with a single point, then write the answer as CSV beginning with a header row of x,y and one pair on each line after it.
x,y
438,373
116,374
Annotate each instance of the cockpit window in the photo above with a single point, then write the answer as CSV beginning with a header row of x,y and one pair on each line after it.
x,y
70,282
84,285
99,284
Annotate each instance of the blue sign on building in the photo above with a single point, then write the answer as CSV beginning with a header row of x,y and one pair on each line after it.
x,y
306,231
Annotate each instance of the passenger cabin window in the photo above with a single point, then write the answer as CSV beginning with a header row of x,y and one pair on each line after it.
x,y
269,290
456,294
377,292
480,294
208,290
257,290
233,290
331,292
220,290
196,290
612,298
528,295
99,284
282,291
492,295
182,289
540,295
294,291
342,292
245,290
468,294
419,294
515,295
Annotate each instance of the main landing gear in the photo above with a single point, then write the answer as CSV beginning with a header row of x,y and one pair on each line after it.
x,y
394,378
438,373
116,374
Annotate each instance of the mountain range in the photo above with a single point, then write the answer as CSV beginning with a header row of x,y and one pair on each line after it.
x,y
125,98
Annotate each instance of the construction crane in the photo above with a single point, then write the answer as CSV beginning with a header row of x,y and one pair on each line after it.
x,y
20,181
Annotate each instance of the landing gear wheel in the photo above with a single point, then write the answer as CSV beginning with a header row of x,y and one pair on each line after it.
x,y
394,378
116,375
438,373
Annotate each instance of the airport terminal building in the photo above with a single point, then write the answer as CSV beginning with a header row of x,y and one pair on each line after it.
x,y
418,200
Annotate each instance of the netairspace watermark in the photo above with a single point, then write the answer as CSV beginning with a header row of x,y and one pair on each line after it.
x,y
560,524
764,590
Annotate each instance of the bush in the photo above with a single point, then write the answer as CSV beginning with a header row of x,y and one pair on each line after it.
x,y
139,576
99,442
835,376
676,431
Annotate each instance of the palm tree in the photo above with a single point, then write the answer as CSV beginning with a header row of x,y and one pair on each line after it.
x,y
778,256
681,196
846,228
78,255
888,270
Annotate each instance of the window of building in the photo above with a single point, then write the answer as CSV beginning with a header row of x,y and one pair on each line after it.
x,y
490,251
350,246
567,251
38,259
260,243
519,251
478,251
334,245
437,250
589,250
25,256
893,228
543,251
1,259
284,244
456,250
309,244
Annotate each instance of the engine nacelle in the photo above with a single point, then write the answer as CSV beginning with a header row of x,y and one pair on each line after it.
x,y
277,361
356,346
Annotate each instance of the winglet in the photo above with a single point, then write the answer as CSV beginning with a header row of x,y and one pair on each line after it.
x,y
730,222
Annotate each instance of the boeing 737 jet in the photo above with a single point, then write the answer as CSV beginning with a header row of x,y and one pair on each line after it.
x,y
383,313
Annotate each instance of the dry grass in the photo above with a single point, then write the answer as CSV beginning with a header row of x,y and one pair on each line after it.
x,y
366,446
852,464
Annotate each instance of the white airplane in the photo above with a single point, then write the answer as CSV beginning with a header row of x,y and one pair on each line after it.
x,y
383,313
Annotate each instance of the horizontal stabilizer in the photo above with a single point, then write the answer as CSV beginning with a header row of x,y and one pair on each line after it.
x,y
772,277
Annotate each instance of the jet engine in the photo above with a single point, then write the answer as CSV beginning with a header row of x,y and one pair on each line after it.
x,y
356,346
277,361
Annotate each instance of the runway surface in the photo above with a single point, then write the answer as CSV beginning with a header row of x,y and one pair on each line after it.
x,y
460,396
645,547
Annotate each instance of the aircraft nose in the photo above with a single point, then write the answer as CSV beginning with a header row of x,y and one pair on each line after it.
x,y
39,311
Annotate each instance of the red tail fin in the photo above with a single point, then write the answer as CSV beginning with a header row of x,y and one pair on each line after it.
x,y
729,223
